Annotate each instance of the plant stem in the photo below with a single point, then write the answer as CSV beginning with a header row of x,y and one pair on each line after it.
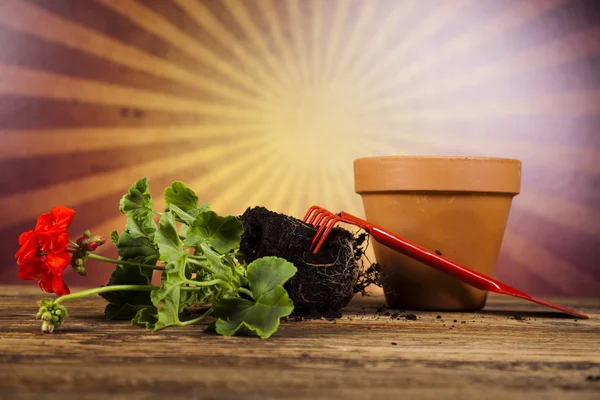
x,y
247,292
103,289
205,267
200,318
200,258
123,262
207,283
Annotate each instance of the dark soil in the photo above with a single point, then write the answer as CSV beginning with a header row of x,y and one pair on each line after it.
x,y
326,281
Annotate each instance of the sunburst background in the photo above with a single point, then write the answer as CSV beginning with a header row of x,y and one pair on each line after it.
x,y
268,103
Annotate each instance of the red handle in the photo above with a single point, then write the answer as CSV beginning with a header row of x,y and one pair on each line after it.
x,y
434,260
445,265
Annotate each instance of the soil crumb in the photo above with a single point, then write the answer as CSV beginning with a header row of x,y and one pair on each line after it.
x,y
518,317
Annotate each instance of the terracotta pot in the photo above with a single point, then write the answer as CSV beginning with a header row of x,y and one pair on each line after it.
x,y
456,205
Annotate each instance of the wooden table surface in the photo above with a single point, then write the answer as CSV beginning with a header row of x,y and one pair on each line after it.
x,y
512,349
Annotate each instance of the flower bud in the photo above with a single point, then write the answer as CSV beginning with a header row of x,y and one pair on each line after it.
x,y
82,241
47,328
98,239
87,233
92,246
81,270
51,314
78,262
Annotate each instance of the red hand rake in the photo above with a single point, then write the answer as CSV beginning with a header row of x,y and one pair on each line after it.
x,y
324,222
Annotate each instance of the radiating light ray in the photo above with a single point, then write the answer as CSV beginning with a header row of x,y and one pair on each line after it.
x,y
341,192
344,189
18,143
29,203
376,43
567,213
282,47
279,202
260,194
228,200
229,172
306,188
430,25
280,190
280,68
517,14
292,200
70,34
382,140
311,187
298,40
40,84
333,44
159,26
554,156
353,43
327,192
198,185
118,223
561,104
558,271
565,49
204,18
316,40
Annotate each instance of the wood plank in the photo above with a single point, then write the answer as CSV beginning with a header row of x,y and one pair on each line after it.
x,y
463,355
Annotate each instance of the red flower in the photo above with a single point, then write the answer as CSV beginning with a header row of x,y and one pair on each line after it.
x,y
52,227
43,253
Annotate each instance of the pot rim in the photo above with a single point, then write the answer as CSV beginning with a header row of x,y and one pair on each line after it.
x,y
426,173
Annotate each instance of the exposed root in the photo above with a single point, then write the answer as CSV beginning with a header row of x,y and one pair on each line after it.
x,y
326,281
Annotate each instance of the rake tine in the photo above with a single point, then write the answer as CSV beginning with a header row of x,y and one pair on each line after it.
x,y
320,218
309,212
330,224
315,215
322,227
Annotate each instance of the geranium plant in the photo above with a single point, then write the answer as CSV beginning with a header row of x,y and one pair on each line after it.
x,y
195,249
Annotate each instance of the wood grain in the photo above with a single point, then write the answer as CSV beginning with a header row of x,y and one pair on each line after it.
x,y
365,354
122,89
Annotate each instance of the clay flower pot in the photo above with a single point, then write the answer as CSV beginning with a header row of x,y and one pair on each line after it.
x,y
456,205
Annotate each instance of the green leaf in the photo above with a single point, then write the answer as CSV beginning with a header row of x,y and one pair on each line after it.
x,y
125,304
266,277
182,216
138,206
170,246
114,237
130,248
146,317
179,195
267,273
168,299
222,233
